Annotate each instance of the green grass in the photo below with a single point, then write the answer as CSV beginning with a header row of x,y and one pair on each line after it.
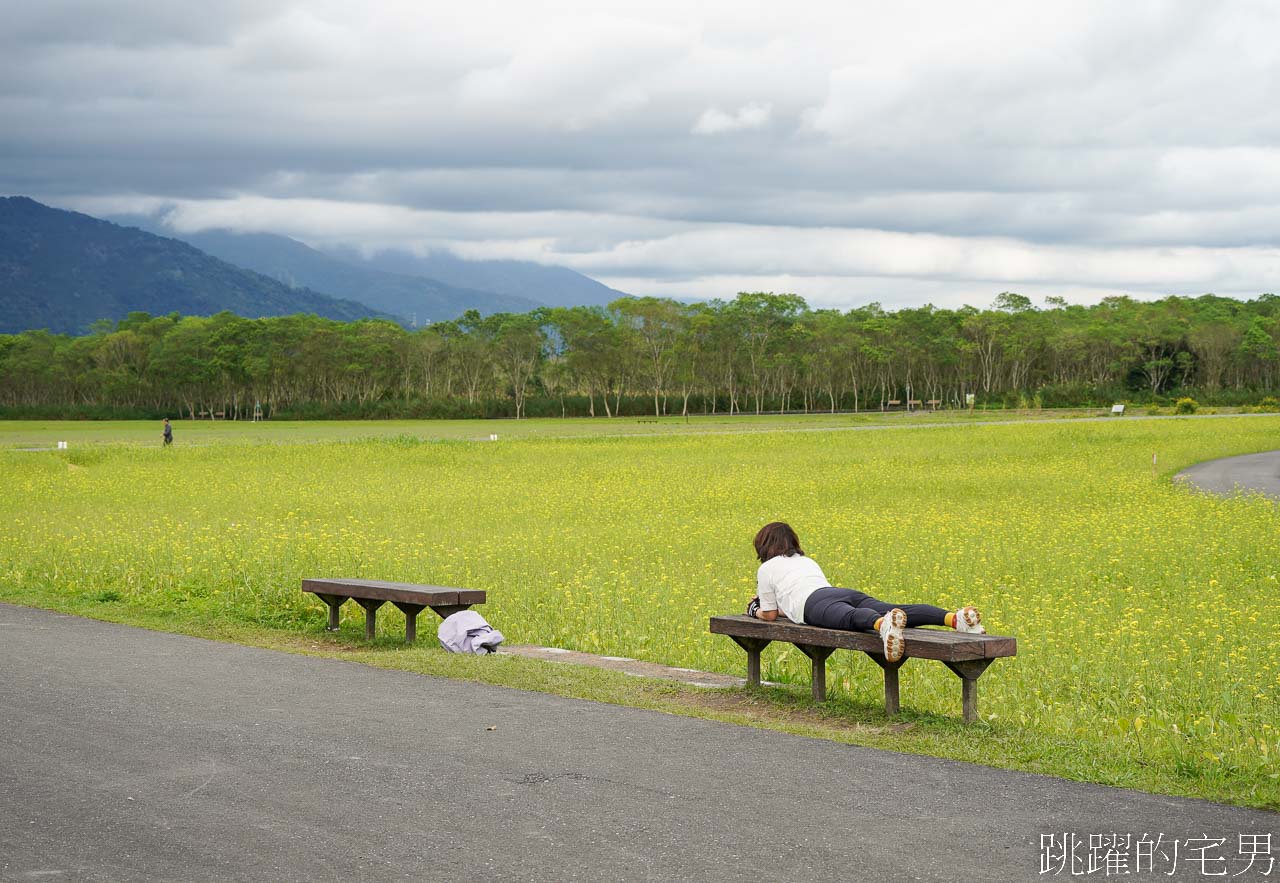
x,y
46,433
1145,614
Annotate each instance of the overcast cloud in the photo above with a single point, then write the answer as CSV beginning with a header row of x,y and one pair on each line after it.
x,y
906,153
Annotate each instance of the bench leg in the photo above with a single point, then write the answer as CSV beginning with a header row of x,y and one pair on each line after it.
x,y
818,656
334,602
891,705
969,671
753,646
446,610
370,606
410,612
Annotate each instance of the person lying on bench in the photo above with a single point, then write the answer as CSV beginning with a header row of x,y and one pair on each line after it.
x,y
789,582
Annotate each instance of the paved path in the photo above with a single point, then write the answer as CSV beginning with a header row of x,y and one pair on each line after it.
x,y
636,667
134,755
1252,472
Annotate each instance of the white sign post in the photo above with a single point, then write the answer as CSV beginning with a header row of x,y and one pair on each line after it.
x,y
1118,410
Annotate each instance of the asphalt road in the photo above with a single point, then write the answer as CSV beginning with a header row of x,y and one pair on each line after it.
x,y
134,755
1252,472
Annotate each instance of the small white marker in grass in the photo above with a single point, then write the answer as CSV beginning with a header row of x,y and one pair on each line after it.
x,y
493,436
62,446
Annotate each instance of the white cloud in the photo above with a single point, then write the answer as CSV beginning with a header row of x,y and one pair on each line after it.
x,y
829,266
920,149
715,121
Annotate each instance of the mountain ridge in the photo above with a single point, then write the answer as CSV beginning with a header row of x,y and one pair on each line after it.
x,y
63,271
292,262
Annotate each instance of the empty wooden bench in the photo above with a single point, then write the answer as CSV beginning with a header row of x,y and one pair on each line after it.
x,y
372,594
966,655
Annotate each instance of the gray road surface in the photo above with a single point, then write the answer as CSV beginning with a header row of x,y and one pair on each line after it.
x,y
134,755
1252,472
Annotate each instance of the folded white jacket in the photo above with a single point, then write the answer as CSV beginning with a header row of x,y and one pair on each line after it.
x,y
467,632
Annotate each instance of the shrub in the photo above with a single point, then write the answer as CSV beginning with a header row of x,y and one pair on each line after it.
x,y
1270,404
1186,405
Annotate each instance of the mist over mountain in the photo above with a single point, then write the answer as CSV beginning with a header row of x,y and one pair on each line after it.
x,y
63,271
553,286
418,299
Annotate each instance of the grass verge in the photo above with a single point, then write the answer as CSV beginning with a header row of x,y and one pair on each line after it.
x,y
785,708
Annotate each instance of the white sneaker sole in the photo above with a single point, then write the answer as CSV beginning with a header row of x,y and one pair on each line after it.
x,y
895,645
969,621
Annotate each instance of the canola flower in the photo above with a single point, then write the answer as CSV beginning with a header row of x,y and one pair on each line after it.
x,y
1146,614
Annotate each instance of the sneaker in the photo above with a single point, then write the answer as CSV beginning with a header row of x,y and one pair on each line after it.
x,y
752,607
969,620
891,626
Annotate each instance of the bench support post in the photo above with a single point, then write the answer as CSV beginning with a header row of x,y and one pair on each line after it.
x,y
969,672
753,646
334,602
446,610
370,606
818,656
891,705
410,612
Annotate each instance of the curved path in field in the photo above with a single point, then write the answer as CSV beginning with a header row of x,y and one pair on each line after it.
x,y
129,755
1251,472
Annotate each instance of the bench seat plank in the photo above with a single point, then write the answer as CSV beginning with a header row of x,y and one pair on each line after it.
x,y
408,593
945,646
408,597
966,655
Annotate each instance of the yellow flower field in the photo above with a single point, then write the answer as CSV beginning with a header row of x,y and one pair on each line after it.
x,y
1147,616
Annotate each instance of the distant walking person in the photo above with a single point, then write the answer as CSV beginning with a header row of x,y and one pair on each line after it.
x,y
168,433
795,585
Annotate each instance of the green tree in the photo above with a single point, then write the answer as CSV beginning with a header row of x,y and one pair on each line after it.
x,y
655,325
518,345
762,318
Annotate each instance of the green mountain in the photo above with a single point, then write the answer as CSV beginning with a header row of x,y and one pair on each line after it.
x,y
414,297
429,287
63,271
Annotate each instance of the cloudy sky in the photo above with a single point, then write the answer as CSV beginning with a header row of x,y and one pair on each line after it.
x,y
911,152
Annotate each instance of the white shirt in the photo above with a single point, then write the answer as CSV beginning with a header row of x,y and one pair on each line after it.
x,y
785,582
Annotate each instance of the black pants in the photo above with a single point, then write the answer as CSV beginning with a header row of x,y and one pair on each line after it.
x,y
852,611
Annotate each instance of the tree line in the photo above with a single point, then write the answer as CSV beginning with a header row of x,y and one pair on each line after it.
x,y
758,352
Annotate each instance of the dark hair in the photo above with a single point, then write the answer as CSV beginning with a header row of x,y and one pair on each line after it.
x,y
777,538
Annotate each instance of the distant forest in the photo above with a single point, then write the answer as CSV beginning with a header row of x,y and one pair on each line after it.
x,y
759,352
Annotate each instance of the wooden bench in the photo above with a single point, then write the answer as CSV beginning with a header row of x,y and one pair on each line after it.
x,y
914,404
890,405
966,655
372,594
933,404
